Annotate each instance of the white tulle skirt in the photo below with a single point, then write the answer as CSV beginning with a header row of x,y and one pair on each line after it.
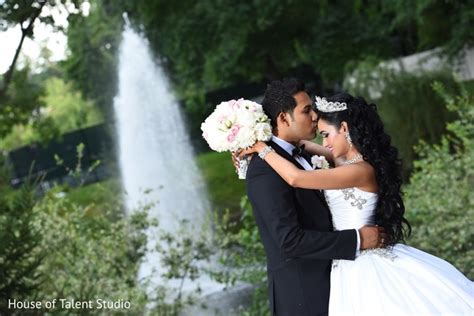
x,y
403,281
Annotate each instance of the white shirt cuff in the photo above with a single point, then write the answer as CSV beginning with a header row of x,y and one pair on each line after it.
x,y
358,242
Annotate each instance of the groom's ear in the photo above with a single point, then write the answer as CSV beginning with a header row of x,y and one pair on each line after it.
x,y
283,118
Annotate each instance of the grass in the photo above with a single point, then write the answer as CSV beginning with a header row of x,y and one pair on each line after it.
x,y
224,187
100,198
99,193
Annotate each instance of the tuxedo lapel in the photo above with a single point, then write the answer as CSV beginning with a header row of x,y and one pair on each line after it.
x,y
307,157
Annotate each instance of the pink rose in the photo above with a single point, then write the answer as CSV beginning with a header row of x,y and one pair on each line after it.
x,y
230,138
233,133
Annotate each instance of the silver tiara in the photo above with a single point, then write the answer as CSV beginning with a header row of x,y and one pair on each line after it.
x,y
324,106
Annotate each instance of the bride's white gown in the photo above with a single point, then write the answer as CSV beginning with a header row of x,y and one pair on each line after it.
x,y
397,281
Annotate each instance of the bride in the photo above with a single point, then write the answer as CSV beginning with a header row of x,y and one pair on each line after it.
x,y
363,189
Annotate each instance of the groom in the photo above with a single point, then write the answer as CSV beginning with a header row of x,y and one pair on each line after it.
x,y
295,224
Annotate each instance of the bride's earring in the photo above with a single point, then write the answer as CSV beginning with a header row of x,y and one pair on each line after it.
x,y
348,139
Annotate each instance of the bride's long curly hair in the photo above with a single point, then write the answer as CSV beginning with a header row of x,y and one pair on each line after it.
x,y
369,138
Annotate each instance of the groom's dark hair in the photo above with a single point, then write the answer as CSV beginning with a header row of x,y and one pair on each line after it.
x,y
279,97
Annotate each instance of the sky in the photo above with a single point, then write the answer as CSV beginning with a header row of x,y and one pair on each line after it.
x,y
55,41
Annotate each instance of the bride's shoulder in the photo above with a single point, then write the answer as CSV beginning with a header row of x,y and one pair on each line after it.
x,y
370,181
360,174
367,166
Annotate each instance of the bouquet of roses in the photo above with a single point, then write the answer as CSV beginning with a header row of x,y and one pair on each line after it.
x,y
235,125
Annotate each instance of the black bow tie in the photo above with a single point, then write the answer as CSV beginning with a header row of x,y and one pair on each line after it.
x,y
297,151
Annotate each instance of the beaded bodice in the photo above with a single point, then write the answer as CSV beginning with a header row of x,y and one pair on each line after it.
x,y
351,208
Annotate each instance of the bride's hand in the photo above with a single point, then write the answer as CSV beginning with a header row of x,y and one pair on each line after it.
x,y
256,148
236,160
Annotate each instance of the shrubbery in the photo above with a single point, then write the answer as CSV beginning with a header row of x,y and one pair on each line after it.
x,y
243,256
54,248
66,245
440,199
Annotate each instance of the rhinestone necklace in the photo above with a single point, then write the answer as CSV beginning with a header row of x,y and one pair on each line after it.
x,y
354,159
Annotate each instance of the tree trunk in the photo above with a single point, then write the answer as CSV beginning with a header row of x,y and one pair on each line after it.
x,y
24,31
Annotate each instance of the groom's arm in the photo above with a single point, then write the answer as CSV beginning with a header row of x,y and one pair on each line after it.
x,y
274,200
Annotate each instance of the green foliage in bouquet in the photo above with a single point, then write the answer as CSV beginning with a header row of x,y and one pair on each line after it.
x,y
439,199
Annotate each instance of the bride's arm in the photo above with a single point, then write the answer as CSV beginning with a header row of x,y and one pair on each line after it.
x,y
346,176
316,149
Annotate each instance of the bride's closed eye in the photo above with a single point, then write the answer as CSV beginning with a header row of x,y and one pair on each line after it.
x,y
324,134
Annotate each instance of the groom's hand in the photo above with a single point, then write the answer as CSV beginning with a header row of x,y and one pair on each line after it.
x,y
372,237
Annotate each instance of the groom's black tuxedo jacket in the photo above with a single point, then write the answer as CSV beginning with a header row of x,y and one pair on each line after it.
x,y
296,231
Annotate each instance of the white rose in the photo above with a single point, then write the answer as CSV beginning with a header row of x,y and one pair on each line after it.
x,y
319,162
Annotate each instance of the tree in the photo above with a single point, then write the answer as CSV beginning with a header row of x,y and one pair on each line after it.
x,y
63,109
19,92
20,242
208,45
433,23
23,13
93,42
22,100
26,13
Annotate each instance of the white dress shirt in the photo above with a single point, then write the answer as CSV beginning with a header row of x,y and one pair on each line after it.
x,y
289,149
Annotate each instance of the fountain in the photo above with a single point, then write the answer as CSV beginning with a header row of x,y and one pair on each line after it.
x,y
155,151
156,158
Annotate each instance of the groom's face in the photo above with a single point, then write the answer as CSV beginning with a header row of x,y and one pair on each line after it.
x,y
302,122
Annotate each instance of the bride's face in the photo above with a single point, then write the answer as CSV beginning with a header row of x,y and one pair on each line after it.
x,y
333,138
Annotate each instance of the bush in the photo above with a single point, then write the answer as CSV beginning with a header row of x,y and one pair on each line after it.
x,y
91,256
243,256
21,250
52,248
77,244
439,199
